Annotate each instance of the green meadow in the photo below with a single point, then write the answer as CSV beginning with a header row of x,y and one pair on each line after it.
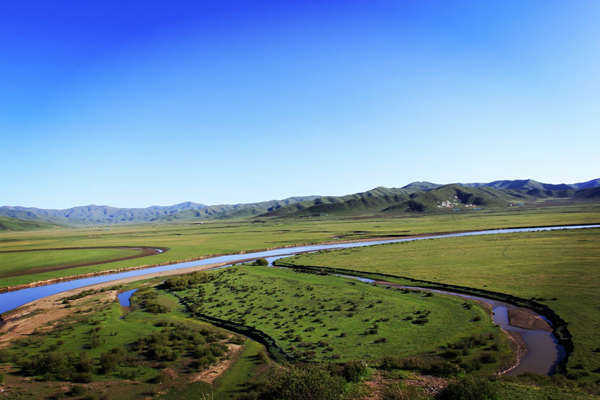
x,y
327,318
21,263
560,269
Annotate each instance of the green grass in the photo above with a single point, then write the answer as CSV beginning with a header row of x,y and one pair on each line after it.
x,y
191,241
99,325
21,263
327,318
240,376
14,224
524,390
560,269
238,379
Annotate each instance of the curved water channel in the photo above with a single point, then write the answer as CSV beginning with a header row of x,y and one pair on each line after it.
x,y
540,346
543,351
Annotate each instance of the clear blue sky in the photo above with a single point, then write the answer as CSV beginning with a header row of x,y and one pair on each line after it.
x,y
134,103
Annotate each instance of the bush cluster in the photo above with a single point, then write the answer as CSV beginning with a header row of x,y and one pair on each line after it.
x,y
176,340
147,299
187,281
469,388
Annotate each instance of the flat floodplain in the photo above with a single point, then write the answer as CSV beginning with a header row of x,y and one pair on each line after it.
x,y
188,241
24,262
560,269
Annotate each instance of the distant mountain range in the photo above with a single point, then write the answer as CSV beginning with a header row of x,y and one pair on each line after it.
x,y
93,214
416,197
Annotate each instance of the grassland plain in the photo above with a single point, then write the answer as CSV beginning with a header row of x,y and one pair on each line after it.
x,y
560,269
197,240
327,318
20,263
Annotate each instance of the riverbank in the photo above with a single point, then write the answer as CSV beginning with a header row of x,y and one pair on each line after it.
x,y
44,312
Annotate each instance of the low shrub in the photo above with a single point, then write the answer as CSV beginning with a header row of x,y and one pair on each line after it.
x,y
353,371
399,391
76,391
469,389
109,362
82,377
487,358
442,369
313,383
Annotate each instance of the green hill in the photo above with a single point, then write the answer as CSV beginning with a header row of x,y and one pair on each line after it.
x,y
418,186
408,199
14,224
453,197
588,194
416,197
533,188
370,201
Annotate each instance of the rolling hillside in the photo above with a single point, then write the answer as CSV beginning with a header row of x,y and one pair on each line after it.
x,y
392,200
416,197
369,201
532,188
421,197
592,193
13,224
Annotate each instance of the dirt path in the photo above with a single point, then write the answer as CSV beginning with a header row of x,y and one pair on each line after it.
x,y
217,370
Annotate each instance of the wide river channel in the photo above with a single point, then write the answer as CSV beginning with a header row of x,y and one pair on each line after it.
x,y
541,345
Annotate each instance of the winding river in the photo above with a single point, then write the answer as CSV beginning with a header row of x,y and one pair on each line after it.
x,y
538,347
543,351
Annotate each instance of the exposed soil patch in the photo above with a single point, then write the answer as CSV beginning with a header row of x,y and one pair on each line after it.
x,y
42,315
375,385
430,384
217,370
527,320
519,350
143,252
